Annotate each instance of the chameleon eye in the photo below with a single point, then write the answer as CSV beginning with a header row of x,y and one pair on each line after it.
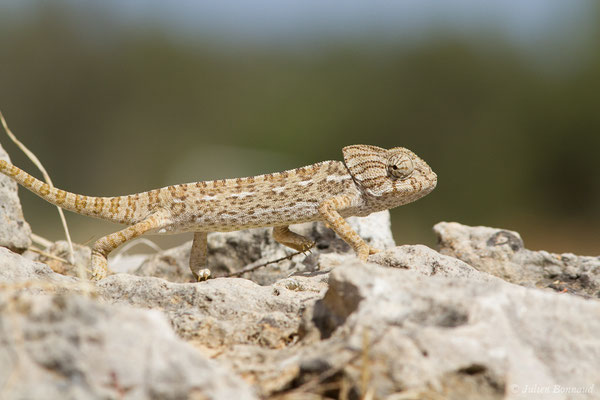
x,y
400,166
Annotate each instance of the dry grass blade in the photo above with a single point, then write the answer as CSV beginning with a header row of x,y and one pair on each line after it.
x,y
38,164
46,254
41,240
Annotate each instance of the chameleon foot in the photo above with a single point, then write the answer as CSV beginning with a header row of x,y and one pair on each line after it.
x,y
365,251
99,266
373,250
303,247
283,235
202,275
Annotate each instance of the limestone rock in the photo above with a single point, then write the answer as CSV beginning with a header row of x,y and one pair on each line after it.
x,y
68,346
413,323
502,253
59,263
15,232
457,334
427,262
16,269
221,312
448,337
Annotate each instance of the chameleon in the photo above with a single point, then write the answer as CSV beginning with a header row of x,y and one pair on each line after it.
x,y
369,179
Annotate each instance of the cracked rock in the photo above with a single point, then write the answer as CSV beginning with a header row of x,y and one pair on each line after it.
x,y
502,253
15,232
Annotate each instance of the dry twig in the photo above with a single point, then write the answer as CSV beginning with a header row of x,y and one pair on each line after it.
x,y
251,267
39,165
48,255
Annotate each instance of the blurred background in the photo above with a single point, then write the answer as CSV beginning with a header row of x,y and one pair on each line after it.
x,y
501,98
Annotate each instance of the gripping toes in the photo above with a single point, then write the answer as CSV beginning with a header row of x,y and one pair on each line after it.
x,y
283,235
202,275
373,250
364,251
106,244
99,266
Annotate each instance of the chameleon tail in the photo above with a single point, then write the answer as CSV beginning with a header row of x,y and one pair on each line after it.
x,y
114,209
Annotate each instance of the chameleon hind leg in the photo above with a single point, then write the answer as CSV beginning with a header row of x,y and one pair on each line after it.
x,y
199,256
108,243
283,235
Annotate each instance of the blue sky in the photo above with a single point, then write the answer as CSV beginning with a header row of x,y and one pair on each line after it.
x,y
525,21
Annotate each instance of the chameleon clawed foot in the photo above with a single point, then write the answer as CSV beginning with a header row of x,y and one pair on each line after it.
x,y
302,247
308,251
307,247
365,251
202,275
99,266
284,236
373,250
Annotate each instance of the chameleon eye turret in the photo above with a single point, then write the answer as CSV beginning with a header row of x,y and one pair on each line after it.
x,y
400,166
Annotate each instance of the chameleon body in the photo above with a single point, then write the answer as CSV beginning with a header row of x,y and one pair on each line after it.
x,y
370,179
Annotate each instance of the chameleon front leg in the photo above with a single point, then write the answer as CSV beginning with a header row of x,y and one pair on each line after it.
x,y
328,210
106,244
199,256
283,235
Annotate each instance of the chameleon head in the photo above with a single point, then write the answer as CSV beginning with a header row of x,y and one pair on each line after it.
x,y
389,177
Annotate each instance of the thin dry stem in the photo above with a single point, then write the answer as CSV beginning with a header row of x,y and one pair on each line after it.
x,y
46,254
39,165
365,370
251,267
42,241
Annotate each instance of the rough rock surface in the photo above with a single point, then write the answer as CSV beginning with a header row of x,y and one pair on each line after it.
x,y
412,324
68,346
58,263
422,259
15,232
446,335
221,312
454,335
16,269
502,253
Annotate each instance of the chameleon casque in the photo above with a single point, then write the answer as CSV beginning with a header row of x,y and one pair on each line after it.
x,y
370,179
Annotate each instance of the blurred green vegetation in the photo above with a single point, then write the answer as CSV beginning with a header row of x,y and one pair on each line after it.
x,y
514,142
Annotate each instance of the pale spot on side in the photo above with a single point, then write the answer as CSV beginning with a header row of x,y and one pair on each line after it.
x,y
337,178
241,194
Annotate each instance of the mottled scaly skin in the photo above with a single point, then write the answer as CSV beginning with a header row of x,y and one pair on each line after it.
x,y
371,179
